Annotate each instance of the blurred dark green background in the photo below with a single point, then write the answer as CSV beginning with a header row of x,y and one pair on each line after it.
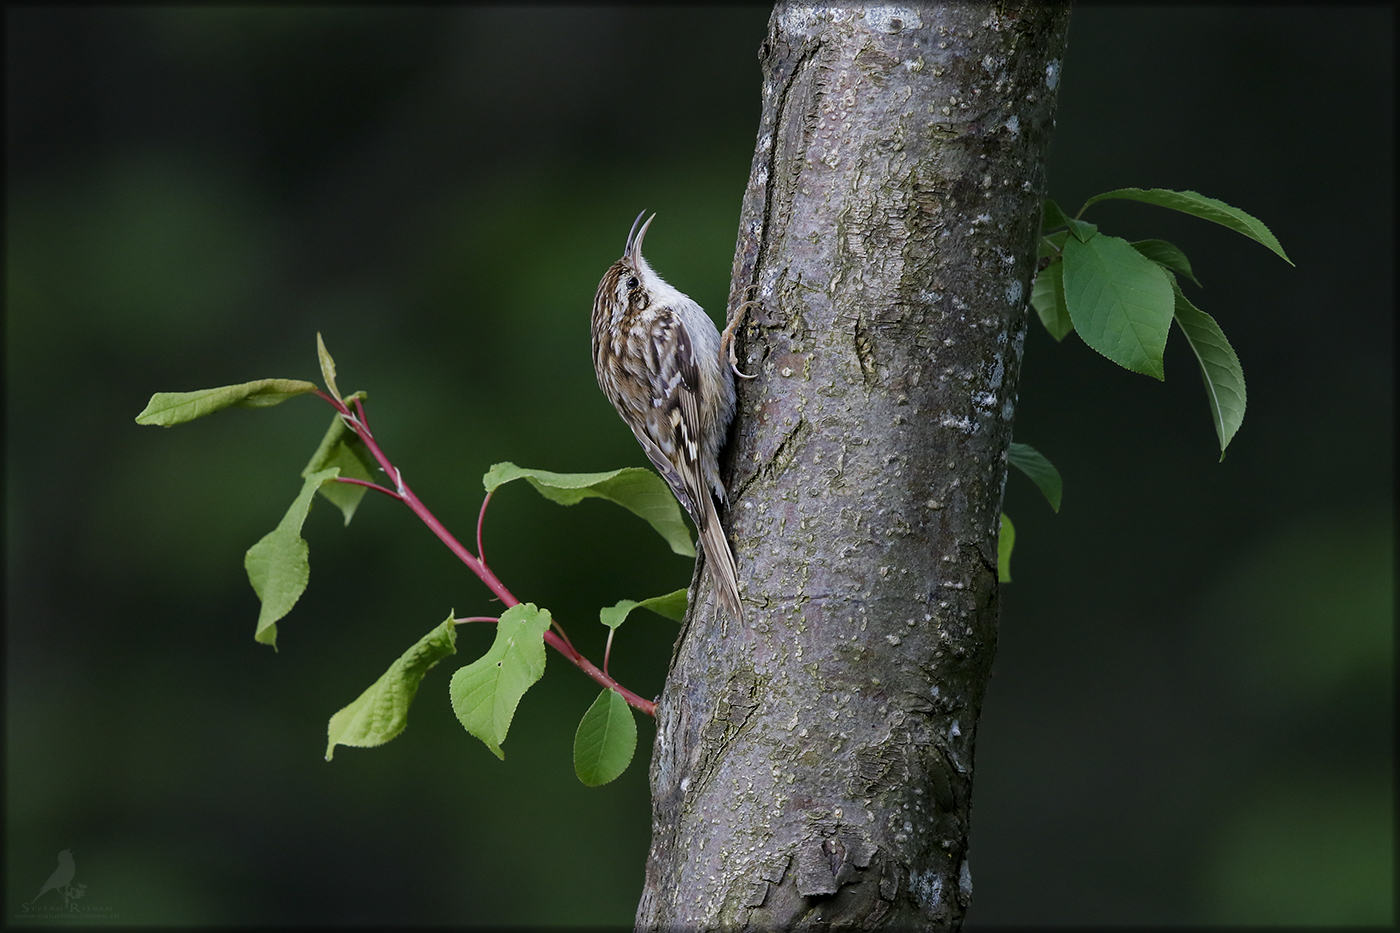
x,y
1191,711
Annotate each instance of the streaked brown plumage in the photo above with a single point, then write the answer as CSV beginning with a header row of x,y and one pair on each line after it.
x,y
658,358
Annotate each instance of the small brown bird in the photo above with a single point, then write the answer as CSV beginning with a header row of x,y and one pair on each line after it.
x,y
659,360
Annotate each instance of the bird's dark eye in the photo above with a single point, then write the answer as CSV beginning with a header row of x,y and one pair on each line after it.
x,y
631,281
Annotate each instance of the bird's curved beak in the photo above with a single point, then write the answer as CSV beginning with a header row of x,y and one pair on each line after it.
x,y
633,251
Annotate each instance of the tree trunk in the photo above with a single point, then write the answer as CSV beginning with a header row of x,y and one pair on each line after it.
x,y
815,766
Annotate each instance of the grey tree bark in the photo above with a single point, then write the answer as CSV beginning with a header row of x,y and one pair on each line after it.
x,y
814,767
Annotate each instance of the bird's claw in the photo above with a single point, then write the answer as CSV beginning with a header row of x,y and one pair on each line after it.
x,y
726,343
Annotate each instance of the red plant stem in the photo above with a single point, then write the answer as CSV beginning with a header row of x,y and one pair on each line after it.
x,y
559,642
481,520
481,555
360,424
589,668
367,484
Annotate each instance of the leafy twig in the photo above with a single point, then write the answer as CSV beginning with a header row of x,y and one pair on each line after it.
x,y
358,422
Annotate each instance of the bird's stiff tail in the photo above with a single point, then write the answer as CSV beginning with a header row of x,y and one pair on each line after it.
x,y
720,559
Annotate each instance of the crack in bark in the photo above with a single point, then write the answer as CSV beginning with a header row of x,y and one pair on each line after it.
x,y
767,164
782,455
780,114
865,352
774,463
731,714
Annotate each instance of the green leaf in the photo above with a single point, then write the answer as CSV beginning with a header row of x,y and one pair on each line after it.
x,y
342,448
1032,462
1083,231
327,366
605,741
1198,205
171,408
1120,302
1052,217
278,566
1048,299
486,692
1005,542
1166,255
640,491
1220,368
1052,244
671,606
381,712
